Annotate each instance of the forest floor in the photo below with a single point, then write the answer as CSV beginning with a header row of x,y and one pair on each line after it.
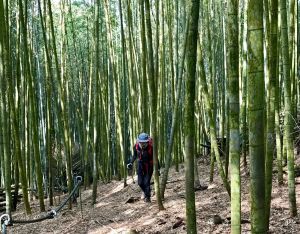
x,y
112,214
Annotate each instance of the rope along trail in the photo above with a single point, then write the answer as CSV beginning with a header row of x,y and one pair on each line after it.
x,y
6,220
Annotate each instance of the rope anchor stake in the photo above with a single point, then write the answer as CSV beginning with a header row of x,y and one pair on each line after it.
x,y
6,220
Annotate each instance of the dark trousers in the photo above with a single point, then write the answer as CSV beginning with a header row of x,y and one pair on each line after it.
x,y
144,183
145,171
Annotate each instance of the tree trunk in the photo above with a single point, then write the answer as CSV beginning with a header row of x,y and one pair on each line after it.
x,y
189,111
33,110
233,93
270,141
288,125
174,119
214,144
256,115
144,89
153,97
5,149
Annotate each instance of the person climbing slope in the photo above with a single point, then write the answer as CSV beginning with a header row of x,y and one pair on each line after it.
x,y
143,151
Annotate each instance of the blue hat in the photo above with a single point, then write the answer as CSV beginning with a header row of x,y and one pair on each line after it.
x,y
143,137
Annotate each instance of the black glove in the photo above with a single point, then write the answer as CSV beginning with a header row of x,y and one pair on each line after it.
x,y
129,166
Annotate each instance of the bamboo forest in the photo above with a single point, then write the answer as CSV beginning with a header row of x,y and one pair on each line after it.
x,y
149,116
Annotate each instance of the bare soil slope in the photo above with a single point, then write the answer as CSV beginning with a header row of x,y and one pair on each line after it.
x,y
112,214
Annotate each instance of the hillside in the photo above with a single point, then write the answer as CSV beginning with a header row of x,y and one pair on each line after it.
x,y
112,214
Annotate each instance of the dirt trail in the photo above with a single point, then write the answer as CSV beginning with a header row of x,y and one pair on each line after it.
x,y
112,214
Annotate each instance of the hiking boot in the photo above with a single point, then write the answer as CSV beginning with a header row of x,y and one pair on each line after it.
x,y
147,199
142,196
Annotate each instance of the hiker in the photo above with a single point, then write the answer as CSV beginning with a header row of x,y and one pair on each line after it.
x,y
143,150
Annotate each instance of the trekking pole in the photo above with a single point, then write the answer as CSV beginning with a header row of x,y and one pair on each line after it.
x,y
132,179
130,170
79,179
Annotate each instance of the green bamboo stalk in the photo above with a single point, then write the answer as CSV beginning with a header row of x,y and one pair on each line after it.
x,y
153,98
189,111
34,122
271,105
233,93
212,127
256,115
288,125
